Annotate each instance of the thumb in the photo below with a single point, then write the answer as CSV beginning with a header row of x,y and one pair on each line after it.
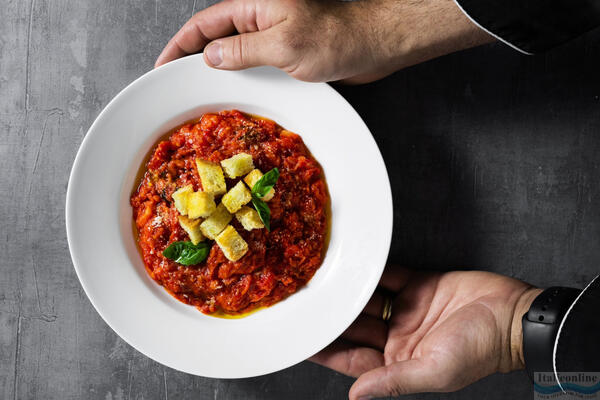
x,y
404,377
246,50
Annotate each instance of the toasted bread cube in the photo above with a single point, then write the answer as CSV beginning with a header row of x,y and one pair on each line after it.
x,y
236,197
192,227
252,178
232,244
249,218
238,165
180,198
217,221
211,176
200,204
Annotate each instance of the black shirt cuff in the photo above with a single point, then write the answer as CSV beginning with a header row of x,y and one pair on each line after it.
x,y
533,26
577,345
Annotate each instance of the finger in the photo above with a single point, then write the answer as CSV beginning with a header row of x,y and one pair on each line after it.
x,y
248,50
219,20
368,331
394,278
346,358
400,378
374,307
206,25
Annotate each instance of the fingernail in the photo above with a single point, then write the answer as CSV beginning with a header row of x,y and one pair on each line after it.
x,y
214,53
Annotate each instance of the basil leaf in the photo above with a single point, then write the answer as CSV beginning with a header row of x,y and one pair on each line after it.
x,y
187,253
263,211
265,183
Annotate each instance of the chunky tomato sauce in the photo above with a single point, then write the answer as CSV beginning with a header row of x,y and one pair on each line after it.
x,y
278,262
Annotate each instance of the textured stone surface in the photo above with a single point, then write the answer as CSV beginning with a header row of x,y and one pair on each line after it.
x,y
491,154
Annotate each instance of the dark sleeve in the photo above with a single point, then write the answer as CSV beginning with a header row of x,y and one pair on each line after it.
x,y
533,26
577,346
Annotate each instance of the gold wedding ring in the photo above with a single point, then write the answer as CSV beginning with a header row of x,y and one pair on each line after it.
x,y
387,308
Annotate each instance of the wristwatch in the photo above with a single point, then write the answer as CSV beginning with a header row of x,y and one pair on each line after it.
x,y
541,325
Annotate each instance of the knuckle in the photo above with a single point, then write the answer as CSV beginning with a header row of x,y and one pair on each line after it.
x,y
354,365
396,388
396,385
350,361
237,51
393,385
395,391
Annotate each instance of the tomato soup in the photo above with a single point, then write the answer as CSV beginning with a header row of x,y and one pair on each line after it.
x,y
278,261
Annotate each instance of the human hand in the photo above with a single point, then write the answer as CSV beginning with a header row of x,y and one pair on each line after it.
x,y
325,40
447,330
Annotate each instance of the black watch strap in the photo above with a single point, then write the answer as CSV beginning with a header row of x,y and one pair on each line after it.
x,y
540,327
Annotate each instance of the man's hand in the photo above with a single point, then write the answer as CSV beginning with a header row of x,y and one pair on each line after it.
x,y
446,332
325,40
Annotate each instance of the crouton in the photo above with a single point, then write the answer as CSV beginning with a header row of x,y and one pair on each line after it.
x,y
249,218
236,197
238,165
217,221
192,227
211,176
200,204
180,198
252,178
232,244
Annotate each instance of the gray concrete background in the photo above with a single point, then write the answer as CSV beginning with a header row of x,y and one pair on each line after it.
x,y
492,157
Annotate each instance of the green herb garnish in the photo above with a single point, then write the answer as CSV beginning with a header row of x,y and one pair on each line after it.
x,y
265,183
263,211
259,190
187,253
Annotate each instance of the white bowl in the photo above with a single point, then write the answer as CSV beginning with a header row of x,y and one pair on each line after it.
x,y
102,244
